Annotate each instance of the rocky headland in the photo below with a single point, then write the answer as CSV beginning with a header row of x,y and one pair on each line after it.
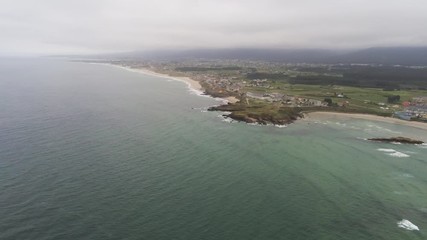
x,y
254,113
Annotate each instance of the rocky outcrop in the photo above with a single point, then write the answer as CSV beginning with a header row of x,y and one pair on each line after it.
x,y
397,139
255,114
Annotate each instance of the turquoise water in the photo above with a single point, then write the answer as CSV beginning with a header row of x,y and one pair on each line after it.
x,y
97,152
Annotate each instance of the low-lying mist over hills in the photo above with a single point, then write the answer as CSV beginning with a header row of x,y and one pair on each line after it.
x,y
411,56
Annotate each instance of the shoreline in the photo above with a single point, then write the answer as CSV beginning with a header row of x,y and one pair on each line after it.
x,y
191,83
337,115
195,86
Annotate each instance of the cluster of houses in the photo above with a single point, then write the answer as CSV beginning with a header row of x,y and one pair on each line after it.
x,y
291,101
415,109
259,83
223,84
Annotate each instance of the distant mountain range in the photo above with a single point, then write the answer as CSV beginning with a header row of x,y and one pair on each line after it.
x,y
387,55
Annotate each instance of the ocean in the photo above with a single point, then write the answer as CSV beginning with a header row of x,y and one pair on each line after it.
x,y
93,151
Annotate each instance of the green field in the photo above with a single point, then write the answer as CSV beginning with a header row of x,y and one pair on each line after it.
x,y
359,98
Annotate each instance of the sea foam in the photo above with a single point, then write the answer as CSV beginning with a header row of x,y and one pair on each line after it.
x,y
405,224
386,150
393,153
424,145
407,175
227,119
399,154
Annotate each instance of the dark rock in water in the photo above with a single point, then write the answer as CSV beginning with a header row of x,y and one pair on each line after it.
x,y
397,139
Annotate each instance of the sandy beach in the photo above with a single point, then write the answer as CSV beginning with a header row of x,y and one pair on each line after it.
x,y
335,115
191,83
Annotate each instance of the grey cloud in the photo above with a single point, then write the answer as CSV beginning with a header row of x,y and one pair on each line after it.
x,y
89,26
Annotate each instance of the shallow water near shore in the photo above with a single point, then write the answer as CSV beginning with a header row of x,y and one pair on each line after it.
x,y
97,152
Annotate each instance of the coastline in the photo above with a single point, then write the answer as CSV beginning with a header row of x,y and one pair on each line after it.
x,y
191,83
318,115
336,115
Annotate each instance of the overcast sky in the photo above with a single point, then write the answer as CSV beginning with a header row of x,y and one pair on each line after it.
x,y
91,26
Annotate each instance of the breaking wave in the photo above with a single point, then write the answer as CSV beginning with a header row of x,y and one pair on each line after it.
x,y
386,150
424,145
399,154
393,153
405,224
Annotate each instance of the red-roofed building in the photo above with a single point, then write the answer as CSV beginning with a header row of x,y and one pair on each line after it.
x,y
406,104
